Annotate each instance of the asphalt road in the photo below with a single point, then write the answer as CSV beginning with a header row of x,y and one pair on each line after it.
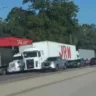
x,y
32,74
84,85
24,75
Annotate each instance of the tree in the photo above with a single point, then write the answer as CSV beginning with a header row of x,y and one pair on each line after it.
x,y
56,20
87,36
62,12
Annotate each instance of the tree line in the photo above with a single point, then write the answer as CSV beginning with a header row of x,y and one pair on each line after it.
x,y
54,20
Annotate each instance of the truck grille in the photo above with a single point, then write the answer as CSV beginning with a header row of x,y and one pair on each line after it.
x,y
30,63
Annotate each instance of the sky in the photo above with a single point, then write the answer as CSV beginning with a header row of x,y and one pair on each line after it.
x,y
87,11
86,14
7,5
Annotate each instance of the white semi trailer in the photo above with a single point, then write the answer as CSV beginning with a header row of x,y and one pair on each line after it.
x,y
86,53
34,55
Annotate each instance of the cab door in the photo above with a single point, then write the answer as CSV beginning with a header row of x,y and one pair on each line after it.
x,y
40,55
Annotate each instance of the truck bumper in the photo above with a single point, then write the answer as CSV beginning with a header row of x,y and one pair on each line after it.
x,y
13,70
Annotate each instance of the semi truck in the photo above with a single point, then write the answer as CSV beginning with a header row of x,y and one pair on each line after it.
x,y
17,64
34,55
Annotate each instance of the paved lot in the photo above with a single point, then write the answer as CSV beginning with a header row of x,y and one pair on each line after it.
x,y
84,85
31,74
50,84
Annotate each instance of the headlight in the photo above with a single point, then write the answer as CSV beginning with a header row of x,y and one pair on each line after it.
x,y
52,65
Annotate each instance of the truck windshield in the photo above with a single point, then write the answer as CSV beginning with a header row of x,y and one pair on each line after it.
x,y
18,58
30,54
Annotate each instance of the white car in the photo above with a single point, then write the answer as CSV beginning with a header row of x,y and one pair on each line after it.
x,y
54,63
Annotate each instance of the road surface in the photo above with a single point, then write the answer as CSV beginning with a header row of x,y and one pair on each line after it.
x,y
30,74
84,85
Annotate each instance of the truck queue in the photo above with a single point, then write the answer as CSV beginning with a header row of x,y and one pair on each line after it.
x,y
45,55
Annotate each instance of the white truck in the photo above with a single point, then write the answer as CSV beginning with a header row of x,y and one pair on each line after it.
x,y
17,64
34,55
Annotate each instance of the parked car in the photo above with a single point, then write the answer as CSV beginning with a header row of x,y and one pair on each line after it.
x,y
87,62
54,63
92,61
70,63
75,63
82,62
